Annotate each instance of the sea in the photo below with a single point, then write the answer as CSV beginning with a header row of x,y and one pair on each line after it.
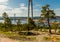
x,y
24,20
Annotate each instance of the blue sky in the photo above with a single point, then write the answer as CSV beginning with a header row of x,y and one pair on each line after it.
x,y
19,7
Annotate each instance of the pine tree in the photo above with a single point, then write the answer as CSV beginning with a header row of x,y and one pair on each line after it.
x,y
47,13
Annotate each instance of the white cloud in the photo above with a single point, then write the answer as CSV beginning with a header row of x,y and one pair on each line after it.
x,y
3,1
57,11
19,11
3,7
22,4
24,11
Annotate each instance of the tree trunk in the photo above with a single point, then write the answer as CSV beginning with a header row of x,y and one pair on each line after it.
x,y
49,27
48,23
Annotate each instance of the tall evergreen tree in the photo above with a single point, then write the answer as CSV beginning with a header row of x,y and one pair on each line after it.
x,y
7,21
48,14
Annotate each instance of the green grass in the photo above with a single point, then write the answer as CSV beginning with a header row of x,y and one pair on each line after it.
x,y
13,35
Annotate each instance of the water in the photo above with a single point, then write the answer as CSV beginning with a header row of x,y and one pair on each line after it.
x,y
15,21
25,21
22,21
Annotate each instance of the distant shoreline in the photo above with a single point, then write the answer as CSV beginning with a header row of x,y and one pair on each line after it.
x,y
1,18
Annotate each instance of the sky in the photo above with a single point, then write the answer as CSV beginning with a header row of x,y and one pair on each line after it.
x,y
20,7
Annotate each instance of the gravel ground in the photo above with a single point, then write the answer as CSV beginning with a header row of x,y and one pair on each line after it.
x,y
39,38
